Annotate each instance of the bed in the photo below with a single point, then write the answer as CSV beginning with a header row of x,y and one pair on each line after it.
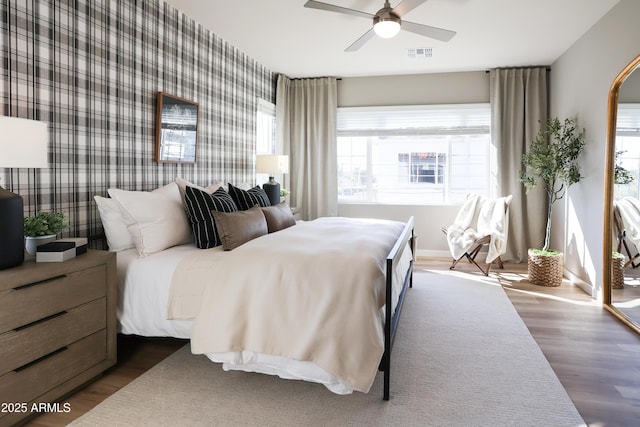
x,y
253,308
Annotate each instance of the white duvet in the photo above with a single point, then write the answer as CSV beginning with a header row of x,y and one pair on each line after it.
x,y
145,284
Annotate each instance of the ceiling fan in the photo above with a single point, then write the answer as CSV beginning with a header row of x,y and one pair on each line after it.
x,y
386,22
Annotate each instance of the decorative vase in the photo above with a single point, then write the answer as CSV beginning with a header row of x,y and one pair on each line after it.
x,y
545,269
11,229
617,272
32,242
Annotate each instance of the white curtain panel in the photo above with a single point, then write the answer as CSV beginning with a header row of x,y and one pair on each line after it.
x,y
306,115
519,108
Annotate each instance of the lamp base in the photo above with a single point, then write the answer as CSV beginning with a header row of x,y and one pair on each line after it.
x,y
11,229
272,188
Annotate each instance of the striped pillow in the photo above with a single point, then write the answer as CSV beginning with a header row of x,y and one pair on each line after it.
x,y
249,198
199,206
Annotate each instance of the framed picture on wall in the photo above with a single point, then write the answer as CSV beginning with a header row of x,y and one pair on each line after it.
x,y
176,129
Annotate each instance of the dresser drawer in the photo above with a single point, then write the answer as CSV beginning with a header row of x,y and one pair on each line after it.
x,y
57,328
35,301
45,337
32,380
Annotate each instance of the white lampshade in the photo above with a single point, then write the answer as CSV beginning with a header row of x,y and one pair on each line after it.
x,y
386,29
272,164
23,143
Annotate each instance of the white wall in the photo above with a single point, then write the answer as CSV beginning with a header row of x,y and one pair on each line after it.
x,y
580,83
421,89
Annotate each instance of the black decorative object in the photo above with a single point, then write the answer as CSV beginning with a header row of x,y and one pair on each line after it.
x,y
11,229
272,164
272,188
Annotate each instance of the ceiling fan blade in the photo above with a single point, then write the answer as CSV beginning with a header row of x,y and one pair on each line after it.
x,y
333,8
407,6
361,41
428,31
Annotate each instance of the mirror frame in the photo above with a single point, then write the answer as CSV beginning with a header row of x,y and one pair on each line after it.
x,y
191,108
607,234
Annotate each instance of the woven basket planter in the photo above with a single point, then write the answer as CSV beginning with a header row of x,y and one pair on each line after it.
x,y
617,272
545,270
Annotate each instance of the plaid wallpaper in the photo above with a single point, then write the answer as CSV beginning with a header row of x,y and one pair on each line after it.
x,y
92,70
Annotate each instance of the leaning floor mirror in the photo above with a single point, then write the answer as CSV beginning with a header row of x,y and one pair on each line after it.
x,y
621,235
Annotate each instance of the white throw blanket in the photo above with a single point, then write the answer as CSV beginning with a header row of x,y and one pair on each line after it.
x,y
629,209
462,233
311,292
479,217
493,222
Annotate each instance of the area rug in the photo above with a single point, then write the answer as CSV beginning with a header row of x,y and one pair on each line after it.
x,y
462,357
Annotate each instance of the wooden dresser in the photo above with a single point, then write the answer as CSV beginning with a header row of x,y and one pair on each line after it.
x,y
57,331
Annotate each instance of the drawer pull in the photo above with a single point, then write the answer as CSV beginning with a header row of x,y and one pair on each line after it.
x,y
40,359
40,282
36,322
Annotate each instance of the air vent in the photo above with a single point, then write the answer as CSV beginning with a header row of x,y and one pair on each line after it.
x,y
420,52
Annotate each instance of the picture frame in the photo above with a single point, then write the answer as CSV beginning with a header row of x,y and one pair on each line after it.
x,y
176,129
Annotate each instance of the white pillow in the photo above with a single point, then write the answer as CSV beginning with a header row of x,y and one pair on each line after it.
x,y
115,227
156,220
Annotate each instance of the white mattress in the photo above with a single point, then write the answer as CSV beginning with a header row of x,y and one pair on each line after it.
x,y
144,284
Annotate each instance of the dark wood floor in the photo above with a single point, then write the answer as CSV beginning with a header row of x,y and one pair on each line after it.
x,y
596,358
135,356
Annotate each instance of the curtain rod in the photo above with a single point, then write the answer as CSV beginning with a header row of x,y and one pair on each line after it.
x,y
519,68
308,78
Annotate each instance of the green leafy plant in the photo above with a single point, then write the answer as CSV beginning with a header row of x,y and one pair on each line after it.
x,y
620,174
44,224
552,161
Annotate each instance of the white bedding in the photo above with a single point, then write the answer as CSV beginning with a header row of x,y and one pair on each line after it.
x,y
143,292
144,285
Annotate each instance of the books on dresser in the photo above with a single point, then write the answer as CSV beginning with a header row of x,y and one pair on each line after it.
x,y
61,250
81,244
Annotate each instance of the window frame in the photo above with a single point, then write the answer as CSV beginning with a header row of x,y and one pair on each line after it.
x,y
422,121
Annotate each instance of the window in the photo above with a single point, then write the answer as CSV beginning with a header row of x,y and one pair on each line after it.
x,y
628,149
265,132
413,154
265,127
423,167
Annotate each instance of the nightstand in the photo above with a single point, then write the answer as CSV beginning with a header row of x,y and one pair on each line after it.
x,y
57,329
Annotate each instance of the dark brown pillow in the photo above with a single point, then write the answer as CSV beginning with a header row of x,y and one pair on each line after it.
x,y
278,217
236,228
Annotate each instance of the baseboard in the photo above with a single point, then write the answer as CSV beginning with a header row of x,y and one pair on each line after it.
x,y
586,287
428,253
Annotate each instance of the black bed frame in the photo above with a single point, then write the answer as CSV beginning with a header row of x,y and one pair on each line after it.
x,y
391,319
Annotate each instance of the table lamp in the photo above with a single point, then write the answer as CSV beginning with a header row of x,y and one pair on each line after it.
x,y
23,144
272,164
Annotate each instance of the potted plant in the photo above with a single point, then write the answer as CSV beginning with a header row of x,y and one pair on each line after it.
x,y
42,228
552,162
621,175
617,270
283,194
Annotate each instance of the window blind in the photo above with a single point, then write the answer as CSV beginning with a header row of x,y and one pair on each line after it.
x,y
628,121
414,120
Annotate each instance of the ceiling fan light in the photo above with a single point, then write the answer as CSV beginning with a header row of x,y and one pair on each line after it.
x,y
386,28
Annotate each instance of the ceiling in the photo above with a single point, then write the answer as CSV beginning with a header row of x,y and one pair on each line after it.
x,y
288,38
